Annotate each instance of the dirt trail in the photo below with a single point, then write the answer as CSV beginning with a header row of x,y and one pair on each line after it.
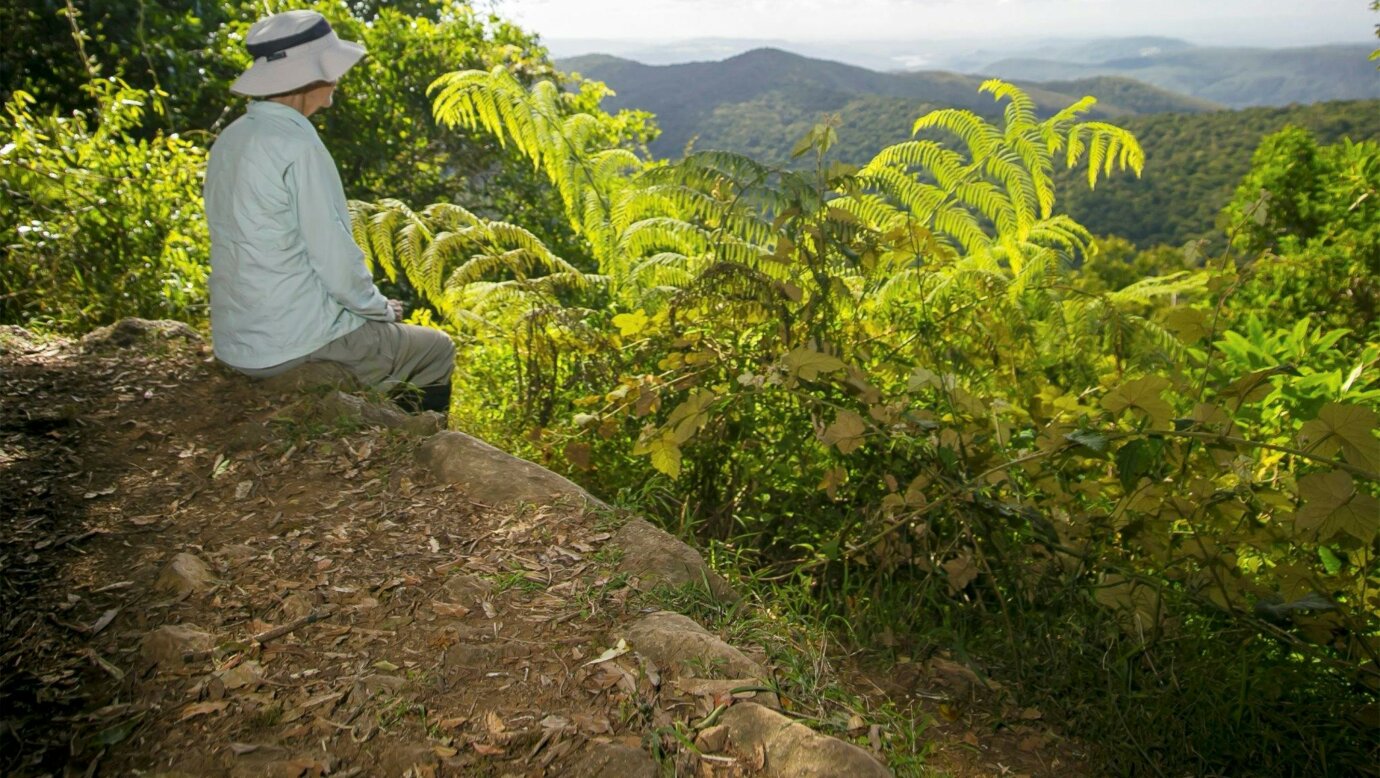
x,y
404,629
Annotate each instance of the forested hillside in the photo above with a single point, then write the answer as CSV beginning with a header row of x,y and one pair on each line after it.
x,y
761,102
1193,163
1131,500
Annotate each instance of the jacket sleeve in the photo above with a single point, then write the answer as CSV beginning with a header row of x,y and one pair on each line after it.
x,y
331,248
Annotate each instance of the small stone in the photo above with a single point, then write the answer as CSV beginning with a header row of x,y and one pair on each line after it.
x,y
166,645
185,574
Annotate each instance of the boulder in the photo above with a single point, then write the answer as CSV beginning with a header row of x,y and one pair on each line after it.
x,y
678,644
166,645
128,333
494,477
658,557
792,750
183,575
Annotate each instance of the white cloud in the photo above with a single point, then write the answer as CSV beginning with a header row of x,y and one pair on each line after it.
x,y
1274,22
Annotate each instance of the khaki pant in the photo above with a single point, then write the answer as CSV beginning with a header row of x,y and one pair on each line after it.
x,y
382,355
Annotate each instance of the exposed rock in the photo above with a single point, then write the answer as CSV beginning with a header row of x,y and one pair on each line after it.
x,y
494,477
657,556
466,589
185,574
793,750
720,688
166,645
424,423
127,333
603,759
712,740
311,376
678,644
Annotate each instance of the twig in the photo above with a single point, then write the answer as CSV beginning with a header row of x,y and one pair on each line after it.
x,y
271,634
291,626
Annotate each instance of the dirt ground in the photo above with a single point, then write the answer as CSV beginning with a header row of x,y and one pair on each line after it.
x,y
353,617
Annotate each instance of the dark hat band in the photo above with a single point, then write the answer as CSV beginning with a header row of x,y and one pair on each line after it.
x,y
275,48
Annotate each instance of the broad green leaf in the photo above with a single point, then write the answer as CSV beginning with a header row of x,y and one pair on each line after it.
x,y
846,432
1253,387
631,323
665,456
690,416
1189,324
833,478
1331,505
1143,394
1138,606
921,378
1345,428
1136,460
804,362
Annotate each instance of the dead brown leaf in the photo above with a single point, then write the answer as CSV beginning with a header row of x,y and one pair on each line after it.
x,y
202,708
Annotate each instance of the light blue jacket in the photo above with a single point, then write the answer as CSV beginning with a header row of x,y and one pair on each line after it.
x,y
286,275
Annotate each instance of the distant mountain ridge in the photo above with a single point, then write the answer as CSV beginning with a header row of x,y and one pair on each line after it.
x,y
1237,78
762,101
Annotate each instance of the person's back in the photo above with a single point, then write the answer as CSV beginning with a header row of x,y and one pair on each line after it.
x,y
269,300
288,283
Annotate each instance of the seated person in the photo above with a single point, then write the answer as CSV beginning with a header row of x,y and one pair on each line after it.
x,y
288,283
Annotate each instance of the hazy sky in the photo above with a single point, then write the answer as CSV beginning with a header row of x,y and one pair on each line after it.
x,y
1269,22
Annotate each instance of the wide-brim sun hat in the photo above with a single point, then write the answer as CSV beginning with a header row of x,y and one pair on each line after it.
x,y
291,50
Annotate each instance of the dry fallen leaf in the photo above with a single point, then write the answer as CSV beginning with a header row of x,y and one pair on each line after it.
x,y
449,609
488,750
200,708
611,653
